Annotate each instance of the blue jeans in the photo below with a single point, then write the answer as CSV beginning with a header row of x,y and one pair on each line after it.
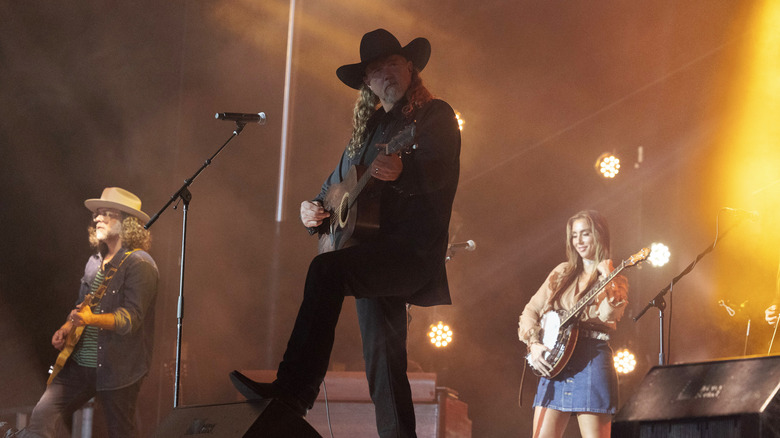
x,y
73,387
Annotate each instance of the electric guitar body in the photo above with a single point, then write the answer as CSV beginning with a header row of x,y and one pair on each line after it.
x,y
70,344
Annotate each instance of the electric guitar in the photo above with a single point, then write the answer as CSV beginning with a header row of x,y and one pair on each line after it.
x,y
91,300
70,341
559,327
351,217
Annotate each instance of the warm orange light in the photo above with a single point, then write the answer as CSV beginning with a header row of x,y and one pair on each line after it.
x,y
745,167
625,361
608,165
461,122
752,147
440,335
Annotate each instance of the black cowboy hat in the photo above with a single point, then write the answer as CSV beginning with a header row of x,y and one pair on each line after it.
x,y
378,44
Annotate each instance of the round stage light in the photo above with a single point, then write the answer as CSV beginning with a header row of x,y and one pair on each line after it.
x,y
625,361
440,335
659,254
608,165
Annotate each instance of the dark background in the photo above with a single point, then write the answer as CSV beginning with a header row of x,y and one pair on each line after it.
x,y
98,93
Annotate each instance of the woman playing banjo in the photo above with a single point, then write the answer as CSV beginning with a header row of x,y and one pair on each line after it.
x,y
586,382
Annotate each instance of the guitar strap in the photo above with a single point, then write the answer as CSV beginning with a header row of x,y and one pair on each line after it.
x,y
101,290
75,332
522,381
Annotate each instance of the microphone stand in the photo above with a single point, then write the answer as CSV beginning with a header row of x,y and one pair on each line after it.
x,y
447,258
184,194
659,302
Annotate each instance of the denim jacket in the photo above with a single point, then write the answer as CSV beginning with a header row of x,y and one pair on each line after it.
x,y
124,354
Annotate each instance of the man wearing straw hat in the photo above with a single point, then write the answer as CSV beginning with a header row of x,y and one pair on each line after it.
x,y
106,341
404,262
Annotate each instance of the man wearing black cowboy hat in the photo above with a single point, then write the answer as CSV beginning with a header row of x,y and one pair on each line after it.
x,y
404,262
111,353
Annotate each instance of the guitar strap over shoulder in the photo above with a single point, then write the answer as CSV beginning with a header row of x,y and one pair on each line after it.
x,y
75,333
101,290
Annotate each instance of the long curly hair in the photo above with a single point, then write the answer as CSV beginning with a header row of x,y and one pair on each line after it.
x,y
133,235
367,103
600,230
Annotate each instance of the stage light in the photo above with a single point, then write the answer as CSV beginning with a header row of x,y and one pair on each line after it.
x,y
460,120
608,165
440,335
659,254
625,361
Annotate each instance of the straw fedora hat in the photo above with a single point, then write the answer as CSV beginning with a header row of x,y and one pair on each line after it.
x,y
120,199
378,44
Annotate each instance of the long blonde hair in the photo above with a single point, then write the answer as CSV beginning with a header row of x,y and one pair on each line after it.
x,y
600,229
367,103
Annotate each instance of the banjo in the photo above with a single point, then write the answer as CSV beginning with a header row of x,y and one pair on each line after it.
x,y
559,327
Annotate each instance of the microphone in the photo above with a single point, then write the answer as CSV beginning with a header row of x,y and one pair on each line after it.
x,y
468,245
242,117
752,215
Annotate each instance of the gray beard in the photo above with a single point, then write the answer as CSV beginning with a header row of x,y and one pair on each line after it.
x,y
393,94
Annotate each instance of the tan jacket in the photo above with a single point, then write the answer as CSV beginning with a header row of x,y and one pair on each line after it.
x,y
601,312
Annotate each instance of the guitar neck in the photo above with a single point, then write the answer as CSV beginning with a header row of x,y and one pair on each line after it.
x,y
590,295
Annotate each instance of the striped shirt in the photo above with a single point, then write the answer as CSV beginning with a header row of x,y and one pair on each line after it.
x,y
86,350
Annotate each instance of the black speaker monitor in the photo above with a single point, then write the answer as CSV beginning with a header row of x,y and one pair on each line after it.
x,y
261,419
726,398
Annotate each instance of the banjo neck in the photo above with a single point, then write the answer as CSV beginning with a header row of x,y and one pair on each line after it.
x,y
574,312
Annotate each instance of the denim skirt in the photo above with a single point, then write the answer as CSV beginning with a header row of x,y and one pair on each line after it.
x,y
588,383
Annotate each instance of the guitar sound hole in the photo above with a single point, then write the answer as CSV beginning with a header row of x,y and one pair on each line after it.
x,y
344,211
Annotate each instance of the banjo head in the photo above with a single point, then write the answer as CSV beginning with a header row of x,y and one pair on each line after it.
x,y
551,324
559,342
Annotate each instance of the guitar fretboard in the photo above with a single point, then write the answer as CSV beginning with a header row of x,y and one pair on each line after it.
x,y
574,312
590,295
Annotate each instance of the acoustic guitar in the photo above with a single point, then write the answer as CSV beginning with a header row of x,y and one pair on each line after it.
x,y
353,216
559,327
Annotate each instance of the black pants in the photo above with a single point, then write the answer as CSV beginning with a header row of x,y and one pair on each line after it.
x,y
70,390
381,275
